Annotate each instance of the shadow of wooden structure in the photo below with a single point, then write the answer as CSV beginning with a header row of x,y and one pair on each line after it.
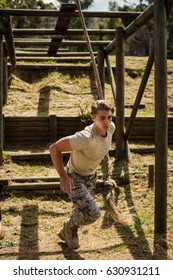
x,y
14,47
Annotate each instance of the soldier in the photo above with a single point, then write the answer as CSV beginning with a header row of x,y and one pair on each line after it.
x,y
78,179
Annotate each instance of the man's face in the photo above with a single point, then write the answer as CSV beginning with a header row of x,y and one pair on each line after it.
x,y
102,121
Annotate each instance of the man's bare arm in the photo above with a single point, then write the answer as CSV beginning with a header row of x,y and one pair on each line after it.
x,y
56,150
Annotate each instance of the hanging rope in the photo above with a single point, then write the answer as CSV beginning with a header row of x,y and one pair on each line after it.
x,y
116,215
96,73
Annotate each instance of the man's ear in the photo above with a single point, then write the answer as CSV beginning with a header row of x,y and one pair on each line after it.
x,y
92,117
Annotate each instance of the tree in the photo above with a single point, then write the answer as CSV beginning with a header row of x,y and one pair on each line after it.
x,y
85,4
169,32
2,4
23,21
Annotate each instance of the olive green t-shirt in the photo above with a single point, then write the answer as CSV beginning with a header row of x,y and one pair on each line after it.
x,y
88,149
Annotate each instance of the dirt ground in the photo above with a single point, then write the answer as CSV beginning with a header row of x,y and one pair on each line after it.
x,y
32,218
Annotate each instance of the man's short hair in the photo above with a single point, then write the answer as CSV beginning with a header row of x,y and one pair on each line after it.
x,y
101,104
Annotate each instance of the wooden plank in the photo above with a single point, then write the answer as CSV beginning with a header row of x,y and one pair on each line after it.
x,y
26,134
57,59
59,54
41,186
65,43
34,179
143,128
29,31
55,13
28,118
36,156
32,186
33,156
1,101
27,124
28,140
62,23
26,129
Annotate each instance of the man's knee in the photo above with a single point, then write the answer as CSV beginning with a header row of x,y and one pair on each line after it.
x,y
94,214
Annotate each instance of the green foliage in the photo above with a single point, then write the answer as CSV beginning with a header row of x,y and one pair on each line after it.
x,y
24,21
85,4
85,115
7,244
124,175
3,4
5,156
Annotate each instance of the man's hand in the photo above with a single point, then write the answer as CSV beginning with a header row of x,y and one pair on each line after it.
x,y
66,184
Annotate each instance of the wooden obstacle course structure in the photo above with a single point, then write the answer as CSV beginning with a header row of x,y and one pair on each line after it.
x,y
160,10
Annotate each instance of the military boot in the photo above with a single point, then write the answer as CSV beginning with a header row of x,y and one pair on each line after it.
x,y
69,234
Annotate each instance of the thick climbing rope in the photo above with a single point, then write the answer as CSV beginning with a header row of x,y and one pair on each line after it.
x,y
110,184
96,73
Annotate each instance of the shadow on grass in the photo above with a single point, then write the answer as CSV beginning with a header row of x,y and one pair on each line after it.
x,y
136,242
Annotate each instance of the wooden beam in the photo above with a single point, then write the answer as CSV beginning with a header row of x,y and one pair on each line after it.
x,y
41,186
1,100
5,79
62,23
101,69
111,78
120,121
56,13
140,93
36,32
161,120
56,59
7,32
47,42
58,54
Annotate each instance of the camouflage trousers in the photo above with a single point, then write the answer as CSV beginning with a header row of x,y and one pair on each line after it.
x,y
85,209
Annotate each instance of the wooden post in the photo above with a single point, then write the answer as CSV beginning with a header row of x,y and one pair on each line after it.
x,y
120,121
101,68
140,93
111,78
1,99
8,35
5,80
150,176
161,122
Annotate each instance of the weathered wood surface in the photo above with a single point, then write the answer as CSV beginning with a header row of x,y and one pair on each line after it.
x,y
56,13
37,129
61,24
5,25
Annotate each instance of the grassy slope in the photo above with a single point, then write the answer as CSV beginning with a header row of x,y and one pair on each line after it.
x,y
62,95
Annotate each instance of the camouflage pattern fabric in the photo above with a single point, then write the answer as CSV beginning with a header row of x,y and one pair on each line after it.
x,y
85,209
